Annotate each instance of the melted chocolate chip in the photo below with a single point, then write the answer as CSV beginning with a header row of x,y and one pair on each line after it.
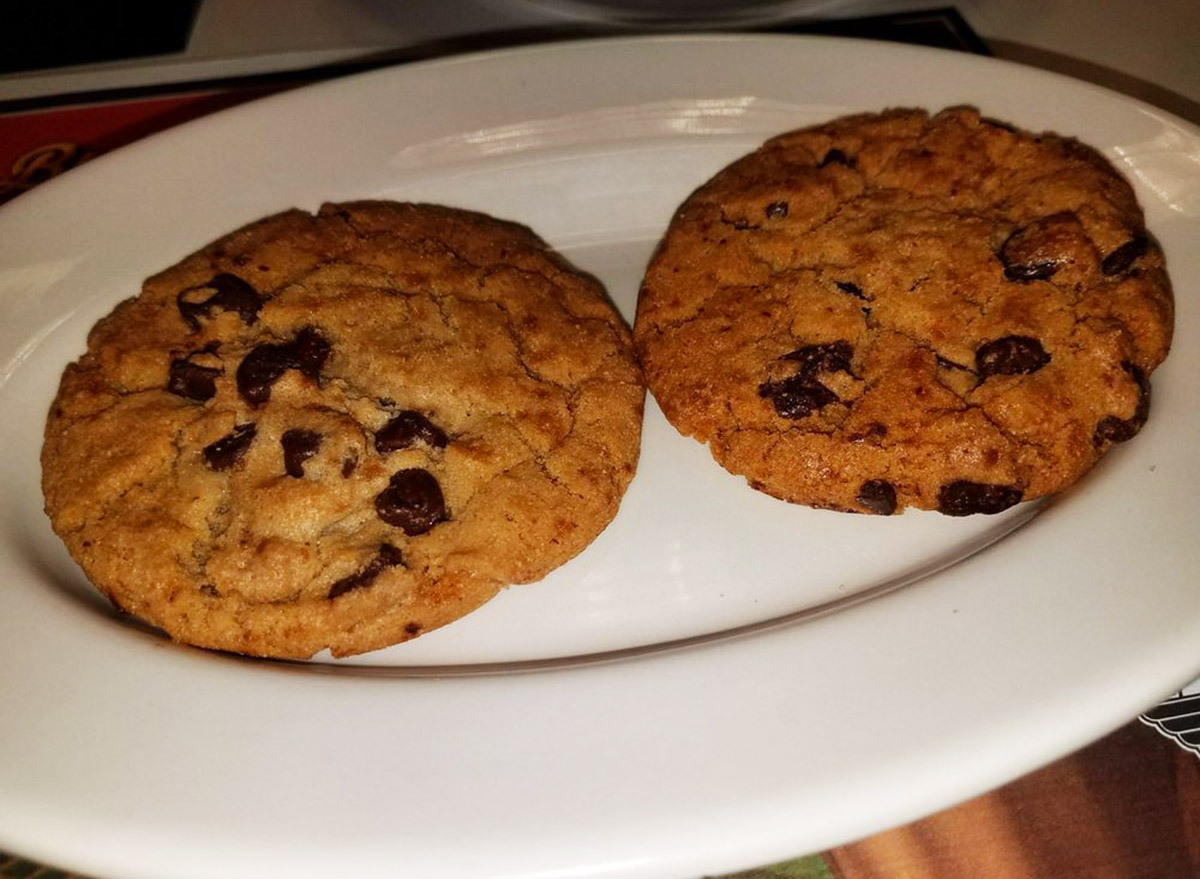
x,y
259,370
191,380
412,628
298,447
1112,429
407,428
797,396
965,498
802,394
309,351
837,156
1010,355
229,449
1125,255
878,496
263,366
387,557
1031,271
348,466
853,289
412,502
230,293
777,210
1023,260
829,357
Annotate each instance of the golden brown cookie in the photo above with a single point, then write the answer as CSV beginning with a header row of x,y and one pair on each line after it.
x,y
342,430
895,310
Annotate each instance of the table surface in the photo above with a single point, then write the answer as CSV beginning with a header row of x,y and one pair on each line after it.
x,y
1129,805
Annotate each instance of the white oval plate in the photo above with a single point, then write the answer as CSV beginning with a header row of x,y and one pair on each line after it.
x,y
706,688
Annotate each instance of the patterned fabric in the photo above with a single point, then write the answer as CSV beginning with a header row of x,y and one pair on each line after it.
x,y
812,867
12,867
1178,718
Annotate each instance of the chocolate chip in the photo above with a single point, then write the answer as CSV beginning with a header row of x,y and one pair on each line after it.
x,y
348,466
837,156
853,289
964,498
263,366
797,396
1123,257
828,357
777,210
229,449
259,370
878,496
407,428
412,628
412,501
1024,254
191,380
1112,429
1032,271
230,293
387,557
802,394
298,447
1010,355
309,351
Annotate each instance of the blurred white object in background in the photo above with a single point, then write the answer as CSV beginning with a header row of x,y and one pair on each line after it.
x,y
709,13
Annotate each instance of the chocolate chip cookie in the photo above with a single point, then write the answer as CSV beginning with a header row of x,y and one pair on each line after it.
x,y
342,430
898,309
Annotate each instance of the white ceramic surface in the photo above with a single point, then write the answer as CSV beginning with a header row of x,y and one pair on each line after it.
x,y
605,722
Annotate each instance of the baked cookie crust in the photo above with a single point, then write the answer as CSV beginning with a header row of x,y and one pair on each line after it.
x,y
899,309
342,430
